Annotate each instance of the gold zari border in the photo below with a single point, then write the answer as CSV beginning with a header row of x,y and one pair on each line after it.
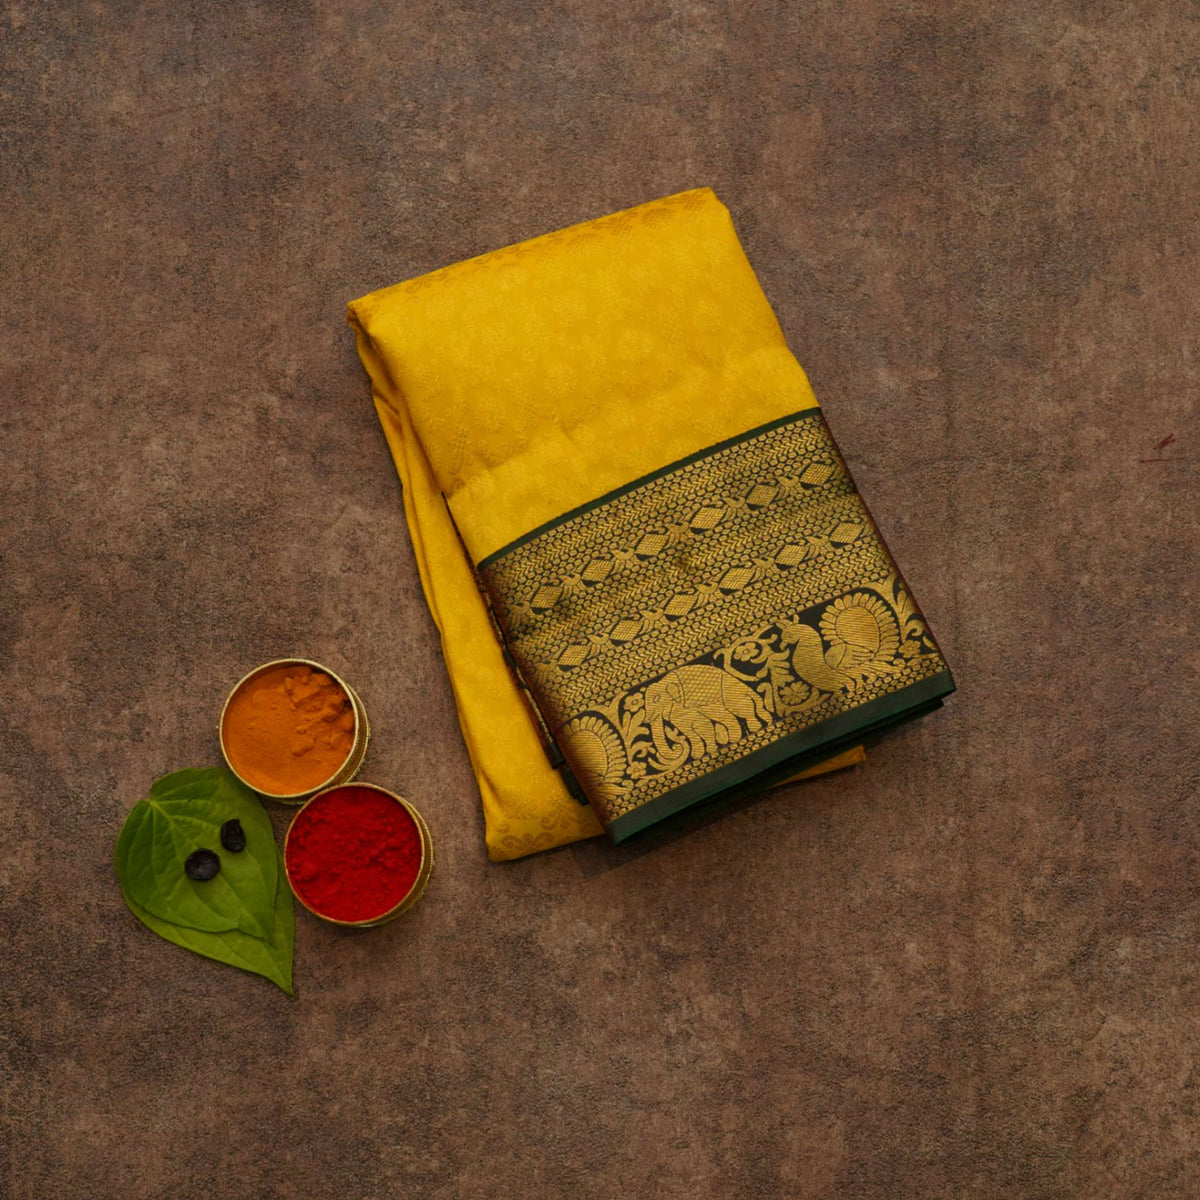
x,y
706,613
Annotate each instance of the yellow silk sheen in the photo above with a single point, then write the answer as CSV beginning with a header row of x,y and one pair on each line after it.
x,y
516,386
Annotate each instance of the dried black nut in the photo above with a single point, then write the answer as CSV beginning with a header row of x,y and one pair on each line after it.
x,y
233,836
202,865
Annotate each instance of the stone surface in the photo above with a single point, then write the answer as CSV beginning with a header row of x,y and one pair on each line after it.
x,y
967,969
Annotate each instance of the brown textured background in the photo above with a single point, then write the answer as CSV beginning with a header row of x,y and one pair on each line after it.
x,y
965,970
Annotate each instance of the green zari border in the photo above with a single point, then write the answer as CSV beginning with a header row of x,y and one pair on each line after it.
x,y
793,753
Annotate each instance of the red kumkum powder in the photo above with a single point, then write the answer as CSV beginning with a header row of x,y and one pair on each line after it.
x,y
354,853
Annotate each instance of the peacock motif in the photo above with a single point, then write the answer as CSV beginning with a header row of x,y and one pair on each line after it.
x,y
595,749
862,636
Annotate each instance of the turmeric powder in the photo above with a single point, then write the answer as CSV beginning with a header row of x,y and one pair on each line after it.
x,y
288,730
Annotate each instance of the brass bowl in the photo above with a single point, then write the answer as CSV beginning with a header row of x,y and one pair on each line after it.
x,y
358,747
424,870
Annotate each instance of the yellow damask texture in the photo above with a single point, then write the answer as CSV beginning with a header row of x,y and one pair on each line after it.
x,y
520,385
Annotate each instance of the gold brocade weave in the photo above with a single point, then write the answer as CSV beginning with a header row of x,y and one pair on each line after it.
x,y
604,431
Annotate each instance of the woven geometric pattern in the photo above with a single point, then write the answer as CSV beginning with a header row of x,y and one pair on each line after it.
x,y
706,612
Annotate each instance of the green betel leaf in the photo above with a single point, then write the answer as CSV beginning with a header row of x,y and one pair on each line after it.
x,y
184,813
271,958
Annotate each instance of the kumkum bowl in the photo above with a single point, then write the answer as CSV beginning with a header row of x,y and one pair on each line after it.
x,y
416,889
358,747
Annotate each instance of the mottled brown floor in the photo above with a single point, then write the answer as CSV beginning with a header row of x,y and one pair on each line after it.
x,y
968,969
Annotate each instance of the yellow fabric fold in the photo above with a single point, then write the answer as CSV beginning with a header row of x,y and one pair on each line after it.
x,y
517,386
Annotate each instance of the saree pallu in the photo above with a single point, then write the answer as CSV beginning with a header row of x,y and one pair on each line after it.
x,y
653,578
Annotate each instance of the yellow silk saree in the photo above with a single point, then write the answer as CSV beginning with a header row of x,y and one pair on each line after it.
x,y
654,580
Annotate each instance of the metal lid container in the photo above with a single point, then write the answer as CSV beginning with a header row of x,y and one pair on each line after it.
x,y
407,900
349,766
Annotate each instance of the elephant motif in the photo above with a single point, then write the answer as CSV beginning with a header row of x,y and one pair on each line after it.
x,y
706,705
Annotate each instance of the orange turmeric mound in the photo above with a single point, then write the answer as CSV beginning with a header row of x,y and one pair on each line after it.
x,y
288,730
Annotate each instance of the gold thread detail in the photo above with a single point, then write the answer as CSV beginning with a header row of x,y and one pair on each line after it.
x,y
706,614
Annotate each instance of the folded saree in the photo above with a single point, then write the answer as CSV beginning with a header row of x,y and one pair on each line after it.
x,y
654,580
